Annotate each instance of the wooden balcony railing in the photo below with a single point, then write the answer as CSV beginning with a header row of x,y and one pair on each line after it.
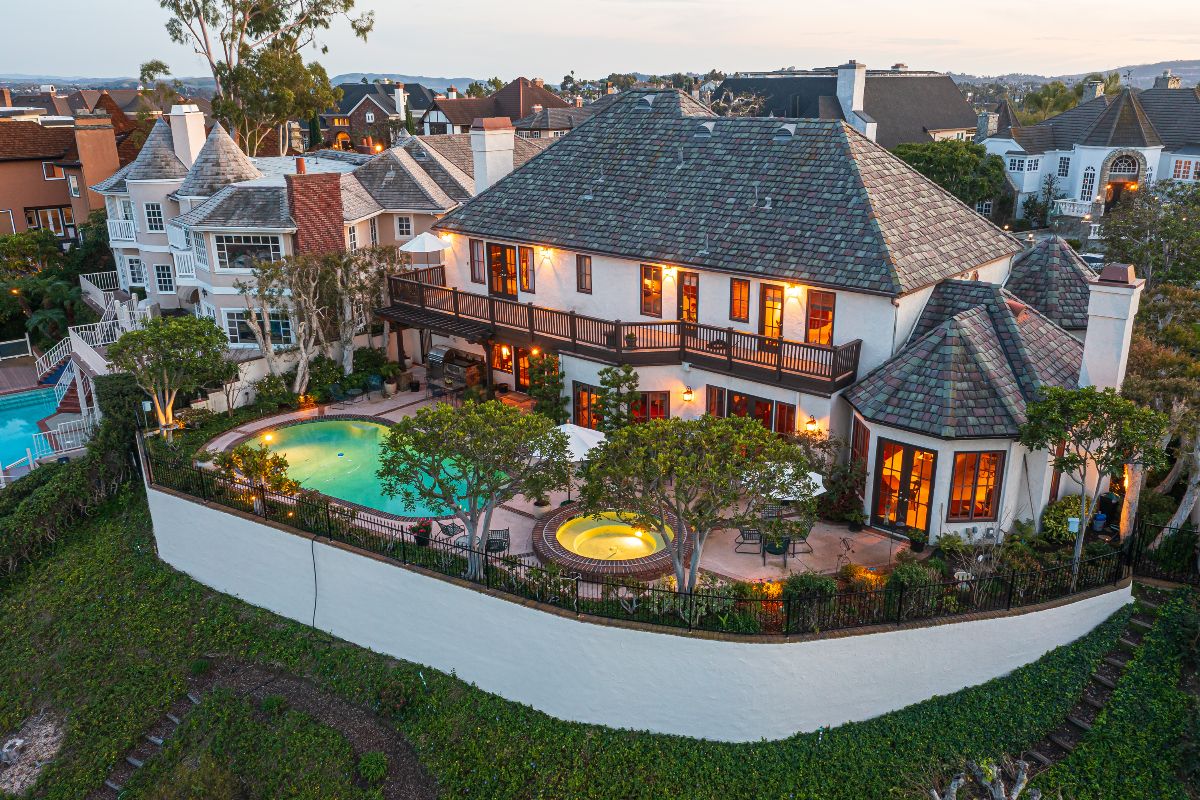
x,y
810,367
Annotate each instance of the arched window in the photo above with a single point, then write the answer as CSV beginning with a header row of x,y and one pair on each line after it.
x,y
1089,184
1124,165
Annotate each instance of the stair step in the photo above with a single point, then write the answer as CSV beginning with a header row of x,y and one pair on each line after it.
x,y
174,718
1137,623
1103,681
1114,662
1149,605
1038,757
135,762
154,740
1078,723
116,787
1093,702
195,700
1061,742
1127,644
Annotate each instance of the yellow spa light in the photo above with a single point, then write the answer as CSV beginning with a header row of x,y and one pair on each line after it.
x,y
268,437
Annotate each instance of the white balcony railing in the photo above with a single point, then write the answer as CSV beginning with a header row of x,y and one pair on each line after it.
x,y
47,361
177,238
1095,231
1077,208
121,230
65,437
86,339
185,265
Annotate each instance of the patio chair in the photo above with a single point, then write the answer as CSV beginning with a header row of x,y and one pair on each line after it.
x,y
497,541
450,530
337,396
772,511
374,384
750,538
800,542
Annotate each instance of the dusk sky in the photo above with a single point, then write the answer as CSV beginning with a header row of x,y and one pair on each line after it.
x,y
543,38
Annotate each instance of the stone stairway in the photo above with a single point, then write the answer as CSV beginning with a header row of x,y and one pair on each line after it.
x,y
147,747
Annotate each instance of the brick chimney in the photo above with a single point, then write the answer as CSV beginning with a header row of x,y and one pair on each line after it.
x,y
96,143
492,143
579,101
1112,305
538,82
187,132
1167,80
315,201
451,92
1091,90
986,124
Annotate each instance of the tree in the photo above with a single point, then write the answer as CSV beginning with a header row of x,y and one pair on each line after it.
x,y
1046,101
964,169
738,104
1100,432
231,381
264,470
619,397
470,460
546,387
1037,206
1156,230
274,86
28,253
263,293
696,476
168,356
230,35
358,287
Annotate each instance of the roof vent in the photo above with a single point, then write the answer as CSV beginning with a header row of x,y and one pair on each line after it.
x,y
418,153
785,132
705,130
646,101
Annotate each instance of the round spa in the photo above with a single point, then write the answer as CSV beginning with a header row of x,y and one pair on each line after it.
x,y
602,546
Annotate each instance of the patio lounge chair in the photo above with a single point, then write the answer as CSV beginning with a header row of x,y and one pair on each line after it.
x,y
451,529
497,541
337,396
750,538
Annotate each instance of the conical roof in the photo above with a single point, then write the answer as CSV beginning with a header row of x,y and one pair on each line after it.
x,y
156,161
1007,114
1123,124
1051,277
219,163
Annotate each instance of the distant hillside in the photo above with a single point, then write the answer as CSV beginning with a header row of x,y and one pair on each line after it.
x,y
424,80
1140,76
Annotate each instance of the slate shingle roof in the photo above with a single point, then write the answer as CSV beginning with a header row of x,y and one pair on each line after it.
x,y
1051,277
357,202
1123,124
976,357
156,161
242,207
396,181
115,183
219,163
655,177
558,119
514,100
906,105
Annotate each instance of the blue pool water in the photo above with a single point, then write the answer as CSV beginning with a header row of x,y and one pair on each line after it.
x,y
339,458
19,415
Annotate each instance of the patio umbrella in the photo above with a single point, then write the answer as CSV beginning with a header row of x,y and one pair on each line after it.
x,y
580,441
425,243
815,477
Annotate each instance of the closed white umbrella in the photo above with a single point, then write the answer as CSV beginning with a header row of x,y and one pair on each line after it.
x,y
580,441
814,477
425,243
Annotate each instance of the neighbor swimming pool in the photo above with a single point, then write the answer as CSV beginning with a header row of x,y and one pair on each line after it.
x,y
339,457
19,415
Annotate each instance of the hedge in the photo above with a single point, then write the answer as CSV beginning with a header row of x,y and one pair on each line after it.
x,y
1129,751
103,631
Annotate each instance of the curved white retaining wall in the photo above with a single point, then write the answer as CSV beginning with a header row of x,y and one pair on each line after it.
x,y
734,691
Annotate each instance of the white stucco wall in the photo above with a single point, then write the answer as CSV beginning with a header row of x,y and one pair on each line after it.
x,y
727,690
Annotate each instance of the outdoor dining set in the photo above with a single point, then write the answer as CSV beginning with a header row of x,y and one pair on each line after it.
x,y
753,540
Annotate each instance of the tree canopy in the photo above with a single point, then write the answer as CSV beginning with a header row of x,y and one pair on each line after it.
x,y
1156,230
964,169
697,476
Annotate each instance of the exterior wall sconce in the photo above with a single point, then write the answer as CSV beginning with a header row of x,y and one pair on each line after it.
x,y
688,394
811,425
505,350
793,290
545,251
669,272
537,351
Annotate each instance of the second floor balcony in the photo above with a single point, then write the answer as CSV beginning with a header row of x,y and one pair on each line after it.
x,y
420,301
1067,207
121,230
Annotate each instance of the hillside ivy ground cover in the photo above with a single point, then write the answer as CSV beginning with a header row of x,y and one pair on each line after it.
x,y
102,631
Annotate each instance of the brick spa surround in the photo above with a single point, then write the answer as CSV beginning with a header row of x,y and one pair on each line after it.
x,y
647,568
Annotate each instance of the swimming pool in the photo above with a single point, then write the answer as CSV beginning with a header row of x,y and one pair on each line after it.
x,y
339,457
19,415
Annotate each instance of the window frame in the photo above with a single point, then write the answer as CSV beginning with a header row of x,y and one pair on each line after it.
x,y
526,277
744,302
352,237
811,308
1087,186
407,231
501,362
158,215
279,324
478,259
164,278
579,410
221,242
984,208
1016,164
583,273
1064,166
56,172
140,268
647,400
955,488
373,230
650,301
73,185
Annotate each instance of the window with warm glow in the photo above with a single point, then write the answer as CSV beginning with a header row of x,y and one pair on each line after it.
x,y
778,417
651,290
502,267
820,317
689,296
975,486
739,299
587,399
653,405
502,358
583,274
525,271
476,260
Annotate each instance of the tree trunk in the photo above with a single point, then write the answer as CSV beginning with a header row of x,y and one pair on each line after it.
x,y
1168,483
1189,495
1135,477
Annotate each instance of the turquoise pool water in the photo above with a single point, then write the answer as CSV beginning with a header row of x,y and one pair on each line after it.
x,y
19,415
339,458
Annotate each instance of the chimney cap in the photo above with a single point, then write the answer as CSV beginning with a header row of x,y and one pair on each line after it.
x,y
491,124
1123,274
300,168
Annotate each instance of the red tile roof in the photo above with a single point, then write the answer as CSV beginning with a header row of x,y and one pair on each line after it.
x,y
516,100
27,141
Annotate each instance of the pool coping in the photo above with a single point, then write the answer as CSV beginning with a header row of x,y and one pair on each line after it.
x,y
647,568
288,423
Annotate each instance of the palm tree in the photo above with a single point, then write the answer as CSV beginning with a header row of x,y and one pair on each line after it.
x,y
48,322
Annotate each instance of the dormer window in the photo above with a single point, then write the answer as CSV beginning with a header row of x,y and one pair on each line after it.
x,y
1016,165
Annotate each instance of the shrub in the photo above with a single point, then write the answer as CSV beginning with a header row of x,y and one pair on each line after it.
x,y
859,578
910,576
274,704
273,391
950,545
373,767
843,492
1017,556
1054,520
323,372
809,584
369,360
200,666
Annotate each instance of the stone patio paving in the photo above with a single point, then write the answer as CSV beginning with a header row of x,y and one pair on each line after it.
x,y
833,544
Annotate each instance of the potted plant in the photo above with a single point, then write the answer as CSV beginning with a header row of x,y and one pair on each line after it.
x,y
855,520
917,538
421,532
390,372
631,340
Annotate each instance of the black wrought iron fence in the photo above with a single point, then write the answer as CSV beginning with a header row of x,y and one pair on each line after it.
x,y
753,608
1167,554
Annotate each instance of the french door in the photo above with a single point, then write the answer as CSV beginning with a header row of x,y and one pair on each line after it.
x,y
770,310
521,373
689,296
903,486
502,269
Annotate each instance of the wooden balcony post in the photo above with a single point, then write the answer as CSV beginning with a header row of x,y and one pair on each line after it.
x,y
574,335
454,297
619,335
779,357
392,290
492,310
729,348
421,294
529,311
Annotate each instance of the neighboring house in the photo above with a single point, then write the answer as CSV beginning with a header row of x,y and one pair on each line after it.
x,y
695,248
369,116
516,100
889,106
46,168
550,123
1104,148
